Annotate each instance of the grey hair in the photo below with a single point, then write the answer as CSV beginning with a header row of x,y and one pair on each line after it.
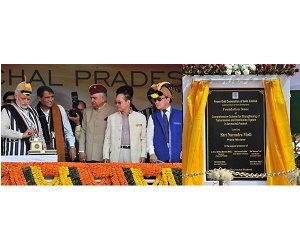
x,y
104,95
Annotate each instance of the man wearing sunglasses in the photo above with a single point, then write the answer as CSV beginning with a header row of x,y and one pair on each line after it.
x,y
9,97
164,130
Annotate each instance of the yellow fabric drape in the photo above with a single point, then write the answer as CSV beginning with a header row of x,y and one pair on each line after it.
x,y
192,142
279,148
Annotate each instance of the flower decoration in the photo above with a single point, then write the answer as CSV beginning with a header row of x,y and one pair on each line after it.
x,y
65,174
221,175
239,69
293,177
296,146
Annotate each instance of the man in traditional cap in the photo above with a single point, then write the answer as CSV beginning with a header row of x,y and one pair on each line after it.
x,y
151,109
19,122
164,130
94,125
125,135
55,124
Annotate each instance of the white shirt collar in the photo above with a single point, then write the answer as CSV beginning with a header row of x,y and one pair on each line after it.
x,y
168,109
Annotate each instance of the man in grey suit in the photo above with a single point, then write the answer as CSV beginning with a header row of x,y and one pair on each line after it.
x,y
125,135
94,124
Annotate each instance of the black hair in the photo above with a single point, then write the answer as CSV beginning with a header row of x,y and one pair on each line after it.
x,y
125,90
8,94
82,102
126,96
40,91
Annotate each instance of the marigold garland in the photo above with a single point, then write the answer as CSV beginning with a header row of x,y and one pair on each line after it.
x,y
39,178
65,173
5,178
138,177
119,176
64,176
15,173
166,178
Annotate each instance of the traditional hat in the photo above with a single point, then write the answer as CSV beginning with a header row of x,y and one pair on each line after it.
x,y
149,93
24,88
161,89
97,88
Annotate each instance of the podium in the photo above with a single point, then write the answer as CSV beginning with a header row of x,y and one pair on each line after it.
x,y
33,156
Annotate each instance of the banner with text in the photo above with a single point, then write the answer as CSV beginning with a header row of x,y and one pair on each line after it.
x,y
66,78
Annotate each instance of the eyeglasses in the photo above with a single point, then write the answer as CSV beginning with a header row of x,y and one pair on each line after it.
x,y
10,100
118,102
159,99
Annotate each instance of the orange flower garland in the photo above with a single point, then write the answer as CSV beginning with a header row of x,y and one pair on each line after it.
x,y
5,178
108,173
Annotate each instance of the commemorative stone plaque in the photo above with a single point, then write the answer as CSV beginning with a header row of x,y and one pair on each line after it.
x,y
235,130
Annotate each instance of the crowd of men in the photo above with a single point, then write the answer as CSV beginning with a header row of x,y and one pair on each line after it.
x,y
99,133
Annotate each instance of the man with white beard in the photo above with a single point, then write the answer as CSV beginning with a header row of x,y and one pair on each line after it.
x,y
19,122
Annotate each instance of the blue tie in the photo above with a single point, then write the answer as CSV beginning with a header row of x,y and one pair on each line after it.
x,y
166,125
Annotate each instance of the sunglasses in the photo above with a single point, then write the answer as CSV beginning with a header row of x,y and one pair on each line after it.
x,y
159,99
10,100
